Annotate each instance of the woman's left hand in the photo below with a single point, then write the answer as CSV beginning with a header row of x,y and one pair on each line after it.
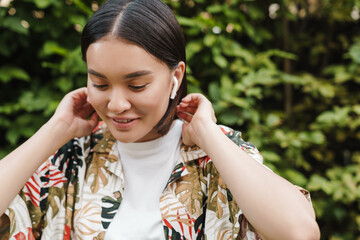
x,y
198,114
278,198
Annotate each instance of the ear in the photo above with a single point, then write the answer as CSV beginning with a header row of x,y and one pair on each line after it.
x,y
179,72
174,88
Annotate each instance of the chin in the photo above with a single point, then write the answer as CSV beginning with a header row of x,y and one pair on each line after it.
x,y
125,137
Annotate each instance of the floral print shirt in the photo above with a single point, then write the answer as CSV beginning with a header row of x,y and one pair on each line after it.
x,y
75,194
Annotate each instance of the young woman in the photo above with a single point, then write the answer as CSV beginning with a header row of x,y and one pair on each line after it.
x,y
142,174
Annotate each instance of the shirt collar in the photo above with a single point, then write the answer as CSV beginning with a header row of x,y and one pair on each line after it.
x,y
190,153
107,150
108,147
106,143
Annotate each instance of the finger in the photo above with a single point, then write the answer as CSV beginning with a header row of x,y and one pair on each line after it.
x,y
93,121
185,116
193,96
80,91
189,110
202,107
183,107
214,119
79,96
185,136
85,110
192,103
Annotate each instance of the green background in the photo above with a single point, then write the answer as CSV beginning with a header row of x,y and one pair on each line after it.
x,y
286,73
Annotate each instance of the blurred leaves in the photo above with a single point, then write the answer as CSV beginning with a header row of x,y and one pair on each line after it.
x,y
40,61
251,59
8,73
243,59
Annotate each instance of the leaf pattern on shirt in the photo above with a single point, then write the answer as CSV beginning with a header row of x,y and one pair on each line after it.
x,y
217,191
69,159
175,215
109,208
199,224
11,218
55,196
174,234
97,168
190,192
79,190
86,217
176,173
72,198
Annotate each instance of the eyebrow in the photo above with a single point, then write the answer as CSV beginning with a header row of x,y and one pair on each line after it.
x,y
127,76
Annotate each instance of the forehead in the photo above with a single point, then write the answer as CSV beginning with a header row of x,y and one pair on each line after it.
x,y
122,56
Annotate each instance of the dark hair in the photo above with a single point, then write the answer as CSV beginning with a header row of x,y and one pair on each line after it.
x,y
149,24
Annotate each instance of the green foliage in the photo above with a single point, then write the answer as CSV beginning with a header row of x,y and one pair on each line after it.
x,y
285,73
40,62
290,82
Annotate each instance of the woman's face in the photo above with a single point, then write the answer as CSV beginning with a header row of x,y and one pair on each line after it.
x,y
128,87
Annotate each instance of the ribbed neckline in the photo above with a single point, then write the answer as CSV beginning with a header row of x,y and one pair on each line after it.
x,y
153,144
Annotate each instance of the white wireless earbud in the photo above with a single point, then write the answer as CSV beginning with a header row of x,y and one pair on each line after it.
x,y
173,93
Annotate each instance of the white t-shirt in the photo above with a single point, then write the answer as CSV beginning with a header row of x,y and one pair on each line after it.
x,y
147,167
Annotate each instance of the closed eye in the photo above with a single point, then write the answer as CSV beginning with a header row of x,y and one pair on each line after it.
x,y
138,88
99,86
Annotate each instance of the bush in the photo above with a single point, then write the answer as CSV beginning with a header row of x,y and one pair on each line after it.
x,y
286,73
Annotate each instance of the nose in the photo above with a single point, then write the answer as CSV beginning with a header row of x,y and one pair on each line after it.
x,y
118,102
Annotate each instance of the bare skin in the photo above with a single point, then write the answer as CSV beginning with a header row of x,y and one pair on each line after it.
x,y
274,207
68,122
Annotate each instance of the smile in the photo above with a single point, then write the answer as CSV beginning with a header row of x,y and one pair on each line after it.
x,y
123,121
124,124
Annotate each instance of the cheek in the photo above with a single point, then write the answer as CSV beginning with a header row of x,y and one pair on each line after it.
x,y
90,95
153,103
159,98
95,99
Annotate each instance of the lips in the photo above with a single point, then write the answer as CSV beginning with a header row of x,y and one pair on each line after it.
x,y
123,123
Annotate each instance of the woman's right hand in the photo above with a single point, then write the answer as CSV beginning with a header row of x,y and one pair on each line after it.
x,y
74,117
73,112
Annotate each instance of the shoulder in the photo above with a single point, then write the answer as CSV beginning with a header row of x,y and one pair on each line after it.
x,y
248,147
73,154
235,136
85,143
190,153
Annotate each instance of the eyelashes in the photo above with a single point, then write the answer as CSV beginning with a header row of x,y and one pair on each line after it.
x,y
140,87
135,88
99,86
